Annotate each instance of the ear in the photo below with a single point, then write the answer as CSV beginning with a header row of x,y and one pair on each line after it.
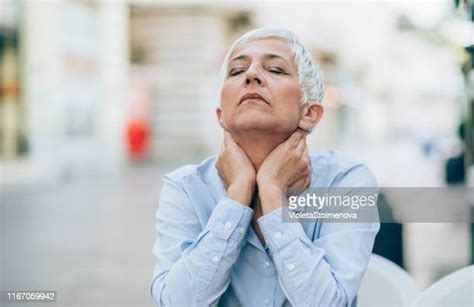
x,y
219,117
312,111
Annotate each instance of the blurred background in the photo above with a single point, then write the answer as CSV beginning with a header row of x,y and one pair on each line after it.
x,y
98,99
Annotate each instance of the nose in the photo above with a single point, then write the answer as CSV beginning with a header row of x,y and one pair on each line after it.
x,y
253,76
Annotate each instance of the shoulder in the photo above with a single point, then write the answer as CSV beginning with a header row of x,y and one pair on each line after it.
x,y
204,171
334,167
334,159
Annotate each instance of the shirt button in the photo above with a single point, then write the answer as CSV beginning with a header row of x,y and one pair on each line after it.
x,y
278,235
267,301
241,230
266,264
290,266
215,259
227,225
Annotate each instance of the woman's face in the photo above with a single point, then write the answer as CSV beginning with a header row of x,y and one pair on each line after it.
x,y
261,90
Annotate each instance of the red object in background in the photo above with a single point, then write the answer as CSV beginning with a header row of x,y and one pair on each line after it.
x,y
138,128
138,137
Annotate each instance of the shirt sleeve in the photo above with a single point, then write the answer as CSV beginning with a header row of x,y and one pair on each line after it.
x,y
327,271
193,265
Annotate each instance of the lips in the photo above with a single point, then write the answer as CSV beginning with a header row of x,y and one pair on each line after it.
x,y
252,96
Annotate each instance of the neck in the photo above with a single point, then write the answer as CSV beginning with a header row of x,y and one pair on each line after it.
x,y
258,145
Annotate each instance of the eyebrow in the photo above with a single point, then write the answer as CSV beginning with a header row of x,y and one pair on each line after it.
x,y
267,56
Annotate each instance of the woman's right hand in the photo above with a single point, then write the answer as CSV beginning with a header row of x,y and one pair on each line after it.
x,y
236,170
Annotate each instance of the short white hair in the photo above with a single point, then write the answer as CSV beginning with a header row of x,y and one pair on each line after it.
x,y
309,74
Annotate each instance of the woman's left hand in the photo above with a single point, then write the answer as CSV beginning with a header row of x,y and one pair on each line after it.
x,y
287,166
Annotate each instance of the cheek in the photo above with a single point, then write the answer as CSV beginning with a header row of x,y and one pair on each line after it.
x,y
294,92
289,95
288,101
227,93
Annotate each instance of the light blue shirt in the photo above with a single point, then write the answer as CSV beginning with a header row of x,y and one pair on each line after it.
x,y
207,252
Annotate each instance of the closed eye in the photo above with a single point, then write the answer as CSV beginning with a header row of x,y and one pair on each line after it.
x,y
276,69
236,70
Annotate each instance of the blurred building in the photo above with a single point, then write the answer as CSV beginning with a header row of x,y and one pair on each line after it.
x,y
73,66
178,50
11,134
89,68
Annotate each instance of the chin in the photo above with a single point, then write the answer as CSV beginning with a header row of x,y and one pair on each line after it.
x,y
254,121
260,125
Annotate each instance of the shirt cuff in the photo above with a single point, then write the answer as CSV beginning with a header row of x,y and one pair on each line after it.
x,y
230,219
279,234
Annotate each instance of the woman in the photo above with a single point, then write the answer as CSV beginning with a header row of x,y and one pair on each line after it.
x,y
221,237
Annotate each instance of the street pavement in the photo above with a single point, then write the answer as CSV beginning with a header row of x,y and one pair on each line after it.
x,y
88,238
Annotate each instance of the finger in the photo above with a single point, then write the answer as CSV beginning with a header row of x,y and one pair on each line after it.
x,y
305,177
295,137
307,182
304,182
292,141
222,145
300,146
300,132
305,147
305,150
302,170
227,138
298,186
297,182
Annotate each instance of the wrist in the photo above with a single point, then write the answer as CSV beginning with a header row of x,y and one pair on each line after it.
x,y
241,192
271,197
269,187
